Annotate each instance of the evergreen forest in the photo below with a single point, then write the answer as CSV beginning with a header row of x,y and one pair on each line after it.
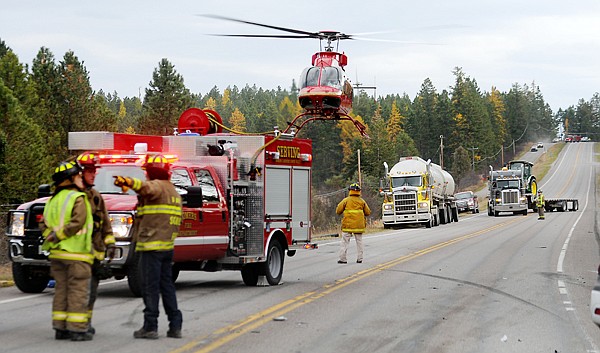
x,y
464,127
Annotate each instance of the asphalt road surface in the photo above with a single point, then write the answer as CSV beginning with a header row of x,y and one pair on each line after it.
x,y
485,284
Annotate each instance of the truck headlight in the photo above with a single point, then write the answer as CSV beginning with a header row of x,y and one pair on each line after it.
x,y
423,205
388,207
121,224
16,227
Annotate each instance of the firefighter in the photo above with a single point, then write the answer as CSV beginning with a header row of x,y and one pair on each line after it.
x,y
540,203
103,241
67,230
354,209
155,229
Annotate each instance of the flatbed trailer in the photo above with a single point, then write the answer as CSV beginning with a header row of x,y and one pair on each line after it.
x,y
561,205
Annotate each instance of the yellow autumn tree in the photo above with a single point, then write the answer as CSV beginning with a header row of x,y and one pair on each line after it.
x,y
237,121
395,124
211,104
497,114
349,136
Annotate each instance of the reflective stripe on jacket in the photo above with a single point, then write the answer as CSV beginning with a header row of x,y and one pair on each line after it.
x,y
62,215
354,209
158,215
540,201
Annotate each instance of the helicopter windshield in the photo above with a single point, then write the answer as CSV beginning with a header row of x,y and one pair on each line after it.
x,y
330,76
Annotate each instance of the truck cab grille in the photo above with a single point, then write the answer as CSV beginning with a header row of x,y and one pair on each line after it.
x,y
405,202
510,197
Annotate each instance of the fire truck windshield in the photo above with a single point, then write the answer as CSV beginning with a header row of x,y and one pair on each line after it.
x,y
406,181
104,182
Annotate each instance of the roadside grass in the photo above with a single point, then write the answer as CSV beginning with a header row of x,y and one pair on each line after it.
x,y
543,164
6,278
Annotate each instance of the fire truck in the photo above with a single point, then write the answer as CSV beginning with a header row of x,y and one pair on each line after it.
x,y
246,203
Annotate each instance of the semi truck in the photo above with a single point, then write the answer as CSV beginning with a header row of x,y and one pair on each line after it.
x,y
507,192
514,189
416,191
246,203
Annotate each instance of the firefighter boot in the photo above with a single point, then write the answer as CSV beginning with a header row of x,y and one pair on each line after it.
x,y
174,333
62,334
142,333
81,336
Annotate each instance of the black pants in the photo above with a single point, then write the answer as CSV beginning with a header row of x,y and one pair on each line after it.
x,y
157,280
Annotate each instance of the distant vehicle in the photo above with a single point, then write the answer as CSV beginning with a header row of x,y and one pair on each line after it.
x,y
467,201
540,145
534,149
556,139
595,301
585,139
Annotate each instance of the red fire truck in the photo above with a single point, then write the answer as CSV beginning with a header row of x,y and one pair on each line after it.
x,y
246,204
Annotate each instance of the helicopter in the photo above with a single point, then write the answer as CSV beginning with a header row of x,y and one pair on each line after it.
x,y
325,91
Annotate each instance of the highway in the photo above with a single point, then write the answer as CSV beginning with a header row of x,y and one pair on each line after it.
x,y
484,284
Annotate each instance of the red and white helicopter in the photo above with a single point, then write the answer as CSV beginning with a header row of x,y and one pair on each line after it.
x,y
325,92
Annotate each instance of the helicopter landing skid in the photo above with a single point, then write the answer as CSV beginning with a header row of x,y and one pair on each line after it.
x,y
337,116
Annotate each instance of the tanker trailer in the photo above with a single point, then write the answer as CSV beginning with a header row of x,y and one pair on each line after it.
x,y
416,191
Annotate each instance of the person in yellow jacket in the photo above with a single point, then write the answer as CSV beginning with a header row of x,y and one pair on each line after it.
x,y
155,228
540,203
103,240
354,223
67,230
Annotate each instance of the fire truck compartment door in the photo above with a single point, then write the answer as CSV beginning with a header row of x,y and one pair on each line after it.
x,y
301,205
277,192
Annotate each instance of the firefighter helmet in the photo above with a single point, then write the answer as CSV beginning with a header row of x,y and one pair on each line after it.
x,y
66,170
354,186
88,160
157,167
539,191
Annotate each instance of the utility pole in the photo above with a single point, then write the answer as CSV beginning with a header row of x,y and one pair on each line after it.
x,y
473,149
502,149
442,151
359,177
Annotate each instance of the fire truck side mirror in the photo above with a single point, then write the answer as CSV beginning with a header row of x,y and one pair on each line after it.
x,y
44,191
193,197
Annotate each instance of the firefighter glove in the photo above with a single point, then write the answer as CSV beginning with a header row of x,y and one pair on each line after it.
x,y
111,251
52,238
124,182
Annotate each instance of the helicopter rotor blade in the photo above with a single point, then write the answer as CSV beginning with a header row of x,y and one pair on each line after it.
x,y
290,30
262,36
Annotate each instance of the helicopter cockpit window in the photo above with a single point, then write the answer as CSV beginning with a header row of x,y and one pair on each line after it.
x,y
330,76
310,77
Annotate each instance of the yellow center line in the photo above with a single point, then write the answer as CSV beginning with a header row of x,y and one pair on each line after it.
x,y
228,333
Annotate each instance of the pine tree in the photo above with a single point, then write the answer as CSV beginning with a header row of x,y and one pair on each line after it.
x,y
165,101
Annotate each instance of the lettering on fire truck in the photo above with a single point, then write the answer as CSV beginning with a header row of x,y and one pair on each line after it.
x,y
288,152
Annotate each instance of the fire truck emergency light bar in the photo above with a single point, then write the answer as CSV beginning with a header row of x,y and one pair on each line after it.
x,y
102,141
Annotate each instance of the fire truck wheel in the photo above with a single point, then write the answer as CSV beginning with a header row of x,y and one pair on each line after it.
x,y
29,281
273,267
250,275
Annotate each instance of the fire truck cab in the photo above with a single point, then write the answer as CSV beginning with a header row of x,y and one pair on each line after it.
x,y
246,204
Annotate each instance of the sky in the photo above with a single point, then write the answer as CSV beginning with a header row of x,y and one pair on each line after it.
x,y
554,45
